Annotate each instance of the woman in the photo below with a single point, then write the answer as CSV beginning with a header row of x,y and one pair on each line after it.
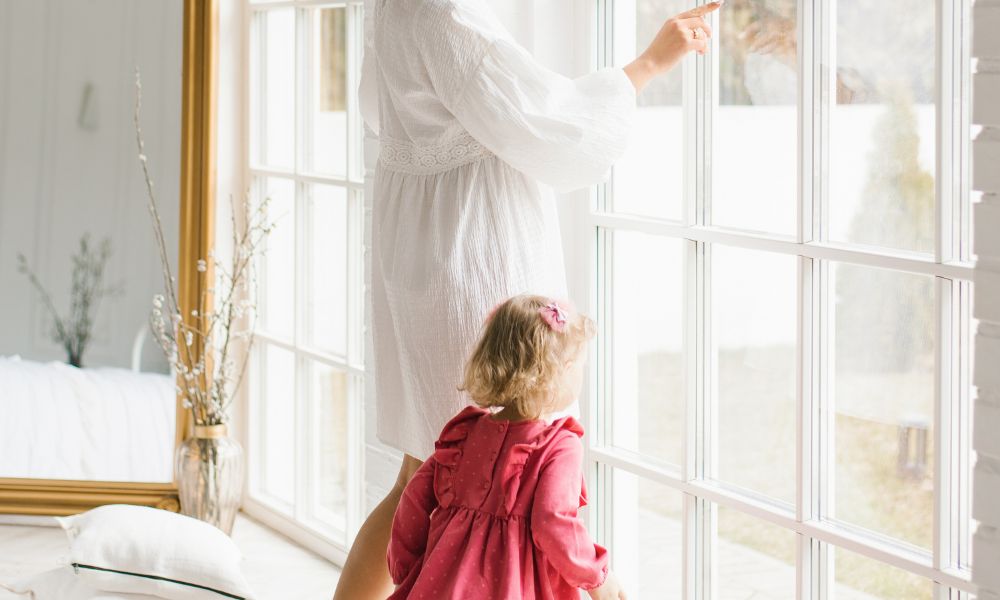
x,y
469,125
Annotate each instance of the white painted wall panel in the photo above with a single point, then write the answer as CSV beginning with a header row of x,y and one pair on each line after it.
x,y
68,166
986,179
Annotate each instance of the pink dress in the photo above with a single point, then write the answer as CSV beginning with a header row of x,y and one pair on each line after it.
x,y
492,515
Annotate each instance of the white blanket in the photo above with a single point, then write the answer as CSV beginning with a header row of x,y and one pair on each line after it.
x,y
60,422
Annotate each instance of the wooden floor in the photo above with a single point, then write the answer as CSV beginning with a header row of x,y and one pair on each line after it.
x,y
276,567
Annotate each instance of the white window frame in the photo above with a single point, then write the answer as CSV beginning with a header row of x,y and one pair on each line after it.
x,y
302,521
950,265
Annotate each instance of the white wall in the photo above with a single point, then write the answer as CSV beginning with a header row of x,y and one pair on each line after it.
x,y
231,131
60,177
986,179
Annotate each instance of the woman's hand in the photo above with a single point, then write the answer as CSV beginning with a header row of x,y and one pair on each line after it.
x,y
609,590
680,34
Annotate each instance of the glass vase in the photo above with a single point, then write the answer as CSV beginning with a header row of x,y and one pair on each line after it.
x,y
209,469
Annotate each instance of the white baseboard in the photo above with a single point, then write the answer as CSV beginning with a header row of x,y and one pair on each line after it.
x,y
305,537
29,520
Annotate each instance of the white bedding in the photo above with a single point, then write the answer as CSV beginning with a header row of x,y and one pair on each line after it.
x,y
60,422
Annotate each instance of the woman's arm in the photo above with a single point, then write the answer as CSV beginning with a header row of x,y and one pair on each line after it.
x,y
561,131
686,32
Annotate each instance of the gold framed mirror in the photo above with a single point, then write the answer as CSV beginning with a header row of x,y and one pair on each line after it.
x,y
29,496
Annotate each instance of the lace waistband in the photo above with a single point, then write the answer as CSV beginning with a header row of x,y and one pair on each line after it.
x,y
407,157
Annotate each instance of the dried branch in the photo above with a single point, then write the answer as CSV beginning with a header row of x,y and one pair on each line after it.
x,y
75,330
207,385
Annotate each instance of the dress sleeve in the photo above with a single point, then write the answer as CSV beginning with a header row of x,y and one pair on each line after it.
x,y
368,87
556,527
563,132
411,524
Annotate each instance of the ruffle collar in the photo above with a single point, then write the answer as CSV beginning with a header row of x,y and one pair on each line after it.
x,y
448,453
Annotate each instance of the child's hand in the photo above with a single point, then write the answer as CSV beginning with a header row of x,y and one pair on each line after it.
x,y
609,590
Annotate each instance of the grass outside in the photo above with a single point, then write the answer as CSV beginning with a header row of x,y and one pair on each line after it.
x,y
756,451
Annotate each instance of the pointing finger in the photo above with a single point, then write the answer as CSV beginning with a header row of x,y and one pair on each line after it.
x,y
701,10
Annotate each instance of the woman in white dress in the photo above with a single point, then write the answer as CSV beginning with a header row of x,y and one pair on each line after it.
x,y
469,125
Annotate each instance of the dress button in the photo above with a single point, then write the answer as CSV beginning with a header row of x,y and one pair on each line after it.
x,y
500,427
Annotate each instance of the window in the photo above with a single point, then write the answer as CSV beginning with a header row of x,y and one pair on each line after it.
x,y
307,378
780,399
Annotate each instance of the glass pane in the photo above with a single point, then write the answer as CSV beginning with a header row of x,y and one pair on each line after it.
x,y
278,282
754,300
756,559
883,377
326,303
273,88
647,537
647,361
861,578
329,388
882,131
754,154
278,423
328,103
649,177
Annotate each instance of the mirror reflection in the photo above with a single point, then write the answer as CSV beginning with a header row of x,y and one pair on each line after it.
x,y
84,392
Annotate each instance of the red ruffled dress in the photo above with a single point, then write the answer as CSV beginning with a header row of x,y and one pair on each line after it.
x,y
492,515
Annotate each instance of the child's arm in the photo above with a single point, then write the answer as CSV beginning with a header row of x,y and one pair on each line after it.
x,y
555,525
411,523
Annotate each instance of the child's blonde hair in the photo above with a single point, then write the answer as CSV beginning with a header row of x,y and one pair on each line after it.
x,y
526,343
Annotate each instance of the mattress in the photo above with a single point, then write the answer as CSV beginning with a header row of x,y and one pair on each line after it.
x,y
61,422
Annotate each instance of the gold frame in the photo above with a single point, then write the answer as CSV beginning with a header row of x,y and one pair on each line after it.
x,y
197,218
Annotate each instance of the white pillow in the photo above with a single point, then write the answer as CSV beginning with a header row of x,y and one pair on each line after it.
x,y
63,584
140,550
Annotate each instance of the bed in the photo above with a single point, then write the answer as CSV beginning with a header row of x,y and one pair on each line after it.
x,y
105,424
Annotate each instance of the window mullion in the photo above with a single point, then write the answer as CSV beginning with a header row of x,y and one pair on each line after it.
x,y
700,98
948,118
303,414
814,35
600,414
706,106
962,153
258,23
355,353
303,463
824,474
824,92
691,213
810,113
356,278
947,421
809,435
304,91
697,559
962,444
354,45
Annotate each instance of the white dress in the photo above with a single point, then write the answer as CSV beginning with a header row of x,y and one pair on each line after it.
x,y
469,125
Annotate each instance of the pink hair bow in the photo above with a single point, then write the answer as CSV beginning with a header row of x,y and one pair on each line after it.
x,y
493,311
554,316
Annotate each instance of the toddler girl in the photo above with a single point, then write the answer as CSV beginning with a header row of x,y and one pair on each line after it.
x,y
492,514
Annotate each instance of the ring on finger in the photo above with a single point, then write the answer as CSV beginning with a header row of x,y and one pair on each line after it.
x,y
696,33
